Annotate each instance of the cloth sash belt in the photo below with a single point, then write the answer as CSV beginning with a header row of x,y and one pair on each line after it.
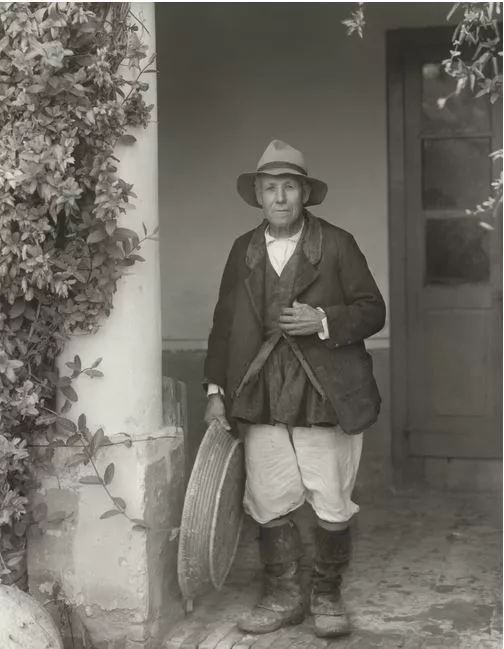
x,y
263,354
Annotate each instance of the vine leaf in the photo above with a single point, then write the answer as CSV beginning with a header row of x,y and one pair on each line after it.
x,y
68,424
119,503
94,373
66,406
127,138
96,363
76,366
96,441
97,235
110,513
17,308
109,473
70,393
81,423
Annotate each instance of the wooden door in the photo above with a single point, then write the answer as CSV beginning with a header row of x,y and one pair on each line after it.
x,y
452,290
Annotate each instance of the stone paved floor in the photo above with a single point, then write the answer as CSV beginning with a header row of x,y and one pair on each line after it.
x,y
426,574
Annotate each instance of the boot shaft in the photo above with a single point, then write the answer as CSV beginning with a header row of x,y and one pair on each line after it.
x,y
332,547
332,556
280,545
280,548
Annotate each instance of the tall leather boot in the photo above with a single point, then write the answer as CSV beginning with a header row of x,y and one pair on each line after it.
x,y
332,555
281,603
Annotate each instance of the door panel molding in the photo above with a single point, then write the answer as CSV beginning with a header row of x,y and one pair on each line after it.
x,y
439,444
397,247
407,50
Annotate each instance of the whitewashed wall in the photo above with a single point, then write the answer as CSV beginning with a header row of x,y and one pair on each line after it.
x,y
234,76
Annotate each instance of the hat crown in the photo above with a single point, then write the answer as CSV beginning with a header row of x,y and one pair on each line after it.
x,y
281,154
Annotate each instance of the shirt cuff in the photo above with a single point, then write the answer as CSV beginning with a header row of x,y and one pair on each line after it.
x,y
323,335
214,389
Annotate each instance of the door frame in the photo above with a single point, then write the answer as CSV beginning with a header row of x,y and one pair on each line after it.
x,y
398,44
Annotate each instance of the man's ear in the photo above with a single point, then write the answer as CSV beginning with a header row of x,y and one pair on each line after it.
x,y
258,190
306,192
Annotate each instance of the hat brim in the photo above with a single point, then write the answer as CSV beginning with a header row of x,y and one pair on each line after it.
x,y
246,186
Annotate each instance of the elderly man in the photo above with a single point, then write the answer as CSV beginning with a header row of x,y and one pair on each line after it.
x,y
288,369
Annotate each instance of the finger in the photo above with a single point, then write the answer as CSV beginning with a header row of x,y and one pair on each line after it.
x,y
289,310
297,304
296,334
224,422
293,328
300,321
306,327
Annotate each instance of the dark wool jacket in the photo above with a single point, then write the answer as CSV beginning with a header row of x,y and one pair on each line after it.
x,y
332,274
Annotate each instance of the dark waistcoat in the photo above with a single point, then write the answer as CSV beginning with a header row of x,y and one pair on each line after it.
x,y
279,390
278,292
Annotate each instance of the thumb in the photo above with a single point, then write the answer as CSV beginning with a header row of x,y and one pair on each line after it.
x,y
224,423
296,303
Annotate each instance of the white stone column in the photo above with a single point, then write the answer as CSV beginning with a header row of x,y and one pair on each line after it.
x,y
122,581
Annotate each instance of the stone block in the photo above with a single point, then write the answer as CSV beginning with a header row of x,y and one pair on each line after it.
x,y
121,582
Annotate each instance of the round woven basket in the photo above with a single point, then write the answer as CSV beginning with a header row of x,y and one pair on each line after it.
x,y
212,513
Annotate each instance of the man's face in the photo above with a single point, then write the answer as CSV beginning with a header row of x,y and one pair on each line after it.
x,y
282,199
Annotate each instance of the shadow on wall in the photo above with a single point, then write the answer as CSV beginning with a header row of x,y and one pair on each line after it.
x,y
187,366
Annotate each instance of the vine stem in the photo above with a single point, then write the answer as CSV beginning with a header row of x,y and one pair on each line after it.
x,y
35,320
102,481
142,71
130,13
4,565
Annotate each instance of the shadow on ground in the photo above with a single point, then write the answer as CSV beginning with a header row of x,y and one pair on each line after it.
x,y
426,574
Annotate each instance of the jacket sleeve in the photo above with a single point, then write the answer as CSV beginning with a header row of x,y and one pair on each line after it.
x,y
217,355
363,313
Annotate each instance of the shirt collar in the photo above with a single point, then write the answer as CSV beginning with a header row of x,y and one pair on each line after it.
x,y
292,239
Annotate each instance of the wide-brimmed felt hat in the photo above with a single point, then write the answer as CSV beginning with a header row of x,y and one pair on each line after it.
x,y
278,159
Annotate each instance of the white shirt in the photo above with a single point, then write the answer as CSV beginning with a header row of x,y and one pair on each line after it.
x,y
279,252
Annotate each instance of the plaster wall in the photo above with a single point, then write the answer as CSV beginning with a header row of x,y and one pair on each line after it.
x,y
232,77
121,580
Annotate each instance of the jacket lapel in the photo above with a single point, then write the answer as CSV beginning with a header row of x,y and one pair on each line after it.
x,y
307,271
305,276
256,255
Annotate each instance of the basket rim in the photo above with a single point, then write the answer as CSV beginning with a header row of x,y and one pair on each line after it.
x,y
218,585
184,536
202,576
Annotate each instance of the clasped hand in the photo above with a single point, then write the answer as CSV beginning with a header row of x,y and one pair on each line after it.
x,y
301,320
216,410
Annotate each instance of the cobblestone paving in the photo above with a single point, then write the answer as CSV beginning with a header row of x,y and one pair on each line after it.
x,y
426,574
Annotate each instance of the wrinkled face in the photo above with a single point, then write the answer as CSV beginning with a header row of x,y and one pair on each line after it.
x,y
282,199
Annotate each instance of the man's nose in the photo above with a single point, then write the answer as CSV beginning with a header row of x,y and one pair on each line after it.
x,y
280,195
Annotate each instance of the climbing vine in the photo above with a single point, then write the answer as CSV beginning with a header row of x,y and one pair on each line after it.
x,y
474,59
72,84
